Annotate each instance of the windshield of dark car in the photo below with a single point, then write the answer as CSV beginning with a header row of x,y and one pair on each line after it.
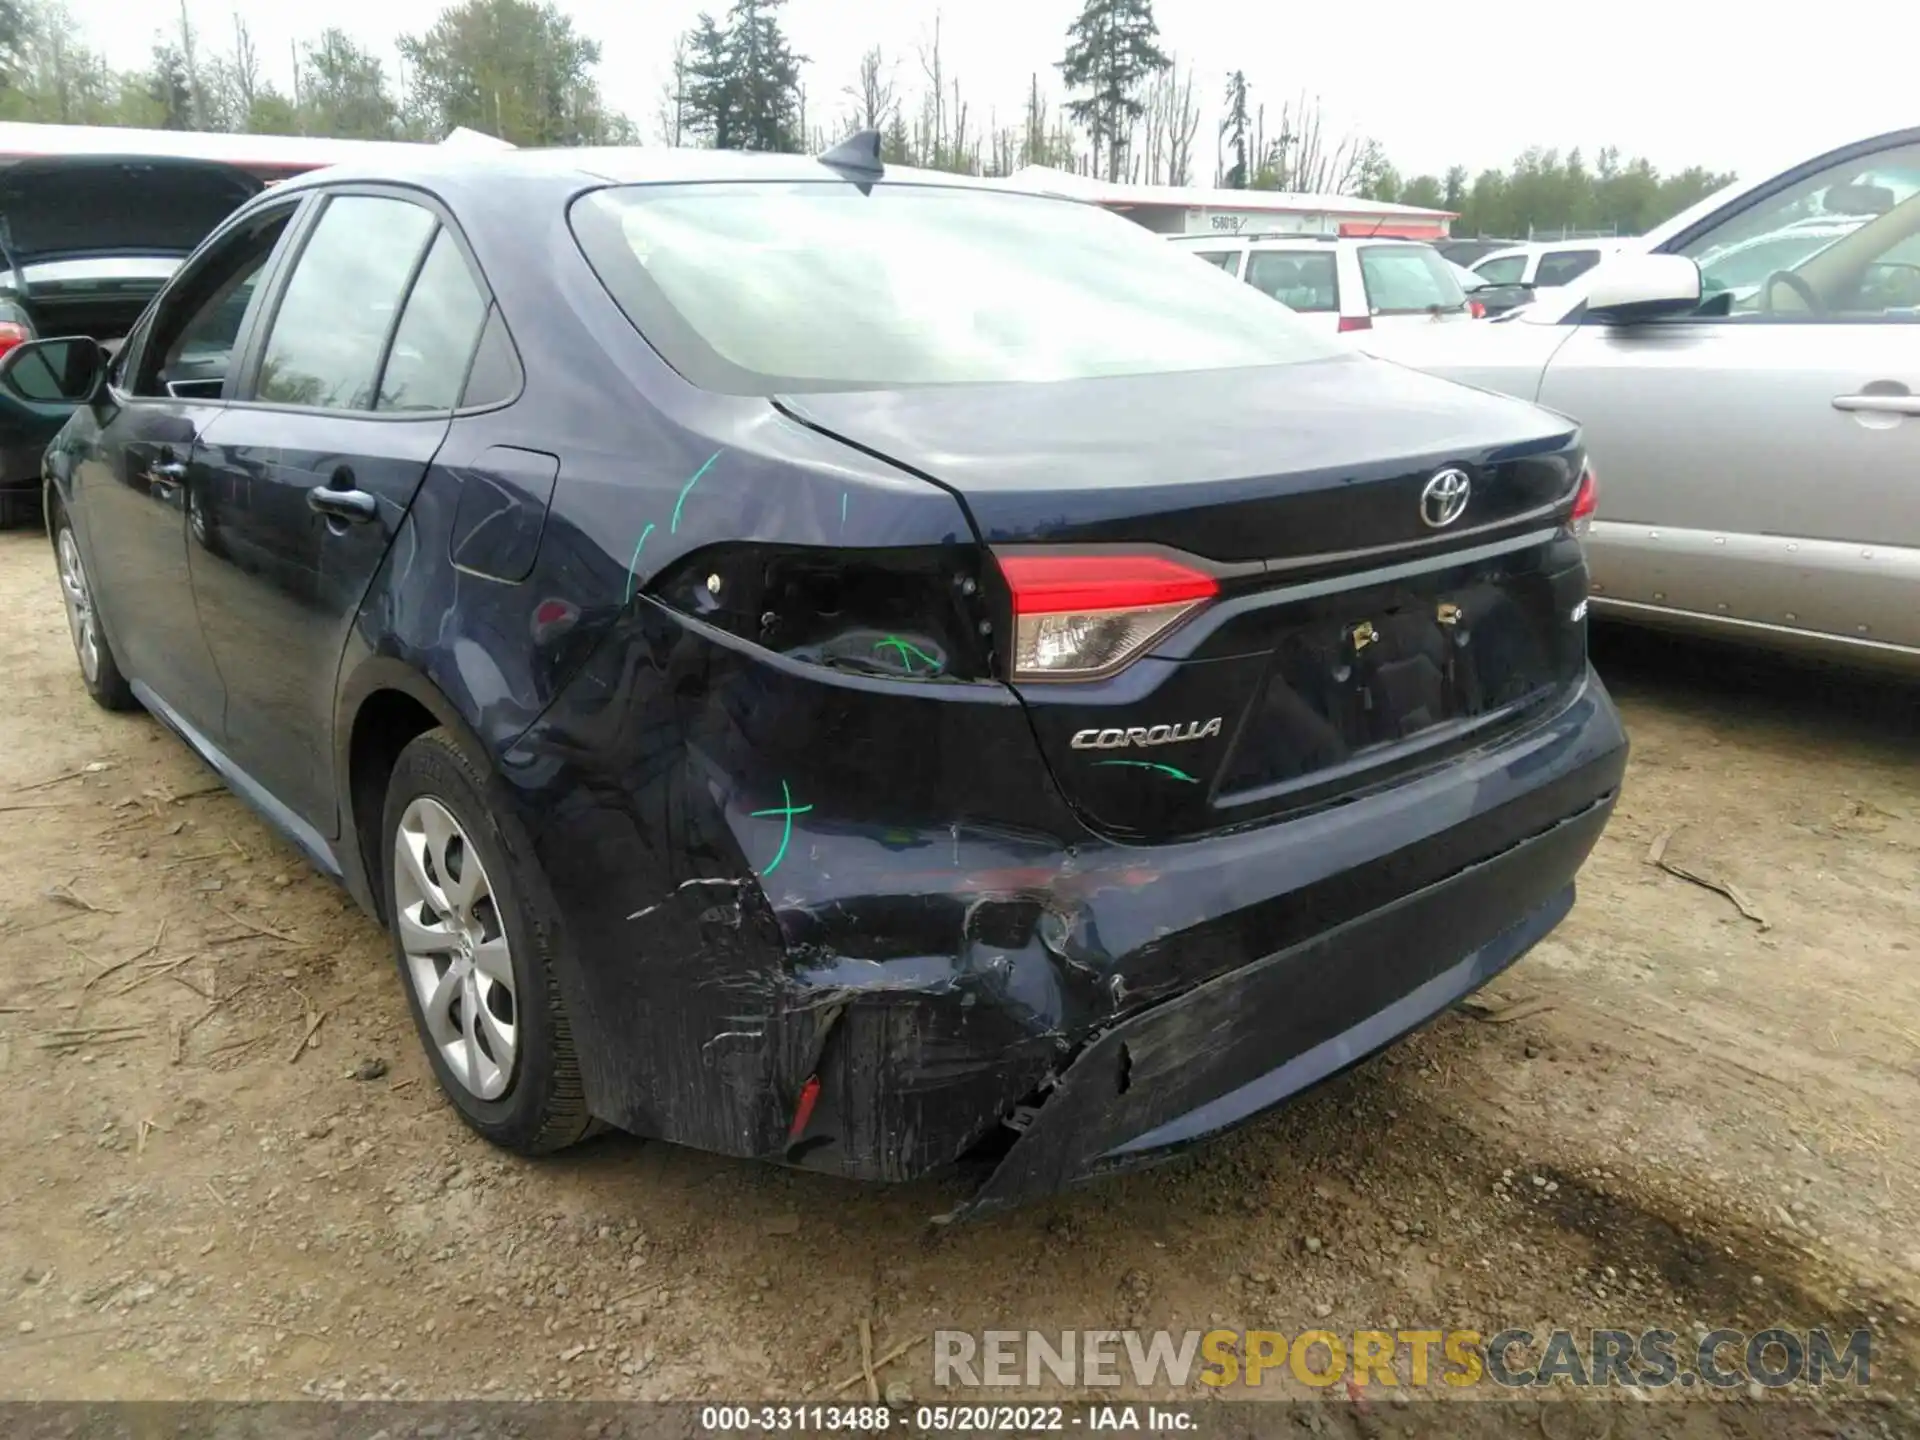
x,y
759,288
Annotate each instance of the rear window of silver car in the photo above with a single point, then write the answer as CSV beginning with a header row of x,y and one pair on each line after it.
x,y
769,287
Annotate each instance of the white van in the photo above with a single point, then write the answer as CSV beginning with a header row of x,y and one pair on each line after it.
x,y
1345,283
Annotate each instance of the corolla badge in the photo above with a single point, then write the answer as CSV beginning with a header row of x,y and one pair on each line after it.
x,y
1445,498
1117,739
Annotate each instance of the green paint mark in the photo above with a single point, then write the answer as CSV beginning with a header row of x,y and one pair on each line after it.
x,y
674,528
633,565
1151,765
786,812
907,651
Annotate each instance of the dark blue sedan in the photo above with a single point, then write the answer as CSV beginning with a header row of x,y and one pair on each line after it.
x,y
879,672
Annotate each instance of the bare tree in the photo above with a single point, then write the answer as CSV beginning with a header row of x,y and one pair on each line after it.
x,y
932,129
1305,157
874,94
670,115
1170,122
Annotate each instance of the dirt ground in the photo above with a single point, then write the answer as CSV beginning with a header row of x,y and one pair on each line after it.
x,y
1703,1119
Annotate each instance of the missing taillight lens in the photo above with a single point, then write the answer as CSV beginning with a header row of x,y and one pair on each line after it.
x,y
1079,617
1586,500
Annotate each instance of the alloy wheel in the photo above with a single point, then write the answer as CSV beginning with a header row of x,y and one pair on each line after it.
x,y
79,602
455,943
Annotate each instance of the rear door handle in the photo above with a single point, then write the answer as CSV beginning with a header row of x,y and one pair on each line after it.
x,y
354,506
1879,404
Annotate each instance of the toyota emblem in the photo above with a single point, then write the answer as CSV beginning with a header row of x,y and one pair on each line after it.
x,y
1445,498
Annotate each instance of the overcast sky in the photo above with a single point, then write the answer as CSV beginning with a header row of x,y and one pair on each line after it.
x,y
1731,87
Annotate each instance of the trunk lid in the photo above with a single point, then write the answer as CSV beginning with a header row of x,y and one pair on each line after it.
x,y
1353,641
67,206
1285,462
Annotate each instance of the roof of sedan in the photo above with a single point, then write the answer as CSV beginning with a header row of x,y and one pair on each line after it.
x,y
620,166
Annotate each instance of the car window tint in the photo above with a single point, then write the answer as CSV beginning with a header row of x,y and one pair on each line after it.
x,y
1504,271
1557,267
188,348
438,330
495,377
1227,260
1839,236
1303,280
1408,279
340,302
763,288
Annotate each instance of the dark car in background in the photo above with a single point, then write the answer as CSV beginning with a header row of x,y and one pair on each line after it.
x,y
85,242
869,670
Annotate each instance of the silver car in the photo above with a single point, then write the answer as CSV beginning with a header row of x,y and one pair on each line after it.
x,y
1757,438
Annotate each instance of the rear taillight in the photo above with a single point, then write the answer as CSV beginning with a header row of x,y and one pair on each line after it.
x,y
1078,617
1585,500
1355,322
1476,309
12,334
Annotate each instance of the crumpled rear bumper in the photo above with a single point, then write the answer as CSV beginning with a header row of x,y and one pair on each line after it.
x,y
1240,1044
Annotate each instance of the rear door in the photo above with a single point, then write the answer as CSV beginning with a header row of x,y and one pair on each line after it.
x,y
349,391
1760,459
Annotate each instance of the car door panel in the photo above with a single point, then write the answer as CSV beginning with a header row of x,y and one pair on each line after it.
x,y
1734,488
131,486
279,583
347,393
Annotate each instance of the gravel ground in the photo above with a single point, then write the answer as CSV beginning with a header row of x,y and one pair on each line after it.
x,y
248,1187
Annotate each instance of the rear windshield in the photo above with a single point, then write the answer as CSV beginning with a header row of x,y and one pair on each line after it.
x,y
760,288
1407,280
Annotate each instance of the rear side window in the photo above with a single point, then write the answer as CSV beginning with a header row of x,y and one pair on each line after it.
x,y
438,330
1505,271
1227,260
819,285
495,377
1408,279
341,302
1303,280
1557,267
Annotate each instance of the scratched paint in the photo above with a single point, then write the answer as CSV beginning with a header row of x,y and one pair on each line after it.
x,y
674,528
633,565
786,812
1175,772
909,652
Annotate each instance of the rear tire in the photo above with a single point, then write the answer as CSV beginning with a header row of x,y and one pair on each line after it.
x,y
473,937
98,668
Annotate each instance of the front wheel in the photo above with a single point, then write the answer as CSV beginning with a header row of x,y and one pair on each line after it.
x,y
473,942
98,667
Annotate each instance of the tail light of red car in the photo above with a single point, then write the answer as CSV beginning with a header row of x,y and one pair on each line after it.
x,y
13,333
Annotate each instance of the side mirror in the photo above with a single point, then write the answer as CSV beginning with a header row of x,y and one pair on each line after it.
x,y
65,371
1623,289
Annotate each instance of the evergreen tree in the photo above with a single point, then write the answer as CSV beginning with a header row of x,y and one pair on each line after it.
x,y
764,76
1233,129
1113,49
710,105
